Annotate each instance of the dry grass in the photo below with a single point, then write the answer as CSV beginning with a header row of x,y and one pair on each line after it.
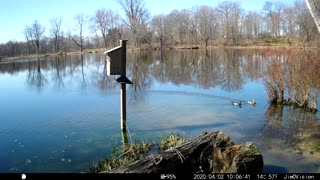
x,y
122,156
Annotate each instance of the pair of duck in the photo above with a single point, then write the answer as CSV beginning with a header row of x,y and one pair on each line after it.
x,y
238,103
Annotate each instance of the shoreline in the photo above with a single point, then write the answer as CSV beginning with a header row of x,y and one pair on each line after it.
x,y
155,48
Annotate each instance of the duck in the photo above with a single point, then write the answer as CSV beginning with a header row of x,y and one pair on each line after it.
x,y
253,102
238,103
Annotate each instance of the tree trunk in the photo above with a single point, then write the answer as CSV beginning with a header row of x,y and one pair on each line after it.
x,y
314,8
210,153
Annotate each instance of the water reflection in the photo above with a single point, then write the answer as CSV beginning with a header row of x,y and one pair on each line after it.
x,y
205,69
173,91
56,71
59,72
35,77
280,136
139,69
231,76
286,122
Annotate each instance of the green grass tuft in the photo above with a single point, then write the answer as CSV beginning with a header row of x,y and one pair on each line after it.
x,y
315,146
171,141
131,153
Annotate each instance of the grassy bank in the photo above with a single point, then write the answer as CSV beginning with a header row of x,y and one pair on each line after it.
x,y
132,152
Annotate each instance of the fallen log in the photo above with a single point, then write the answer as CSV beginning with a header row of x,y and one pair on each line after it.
x,y
209,153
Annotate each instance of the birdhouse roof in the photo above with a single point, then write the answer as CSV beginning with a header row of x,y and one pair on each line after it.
x,y
113,49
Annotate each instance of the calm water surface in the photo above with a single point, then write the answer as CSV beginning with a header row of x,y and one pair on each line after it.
x,y
60,114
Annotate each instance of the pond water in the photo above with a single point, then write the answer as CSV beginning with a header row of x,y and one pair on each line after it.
x,y
61,114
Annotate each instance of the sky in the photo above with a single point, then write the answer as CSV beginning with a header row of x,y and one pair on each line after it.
x,y
15,15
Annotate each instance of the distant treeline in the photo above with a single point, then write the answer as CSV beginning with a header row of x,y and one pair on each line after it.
x,y
227,24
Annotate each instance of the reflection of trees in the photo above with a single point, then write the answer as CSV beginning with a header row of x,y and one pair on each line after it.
x,y
79,69
296,73
180,67
207,73
83,81
274,115
160,63
204,68
252,67
104,82
139,69
59,66
231,76
76,65
173,66
35,77
283,123
273,130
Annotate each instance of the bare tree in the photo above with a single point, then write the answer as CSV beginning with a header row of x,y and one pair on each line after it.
x,y
273,14
193,27
236,19
208,23
230,16
287,23
81,20
158,29
224,8
137,17
169,28
105,20
114,35
183,25
33,34
177,26
257,24
248,26
56,31
38,31
95,31
252,24
304,21
29,38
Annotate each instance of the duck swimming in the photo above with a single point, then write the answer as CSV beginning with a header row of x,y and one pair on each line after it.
x,y
238,103
253,102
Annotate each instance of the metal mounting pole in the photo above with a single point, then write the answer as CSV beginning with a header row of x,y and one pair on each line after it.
x,y
123,44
